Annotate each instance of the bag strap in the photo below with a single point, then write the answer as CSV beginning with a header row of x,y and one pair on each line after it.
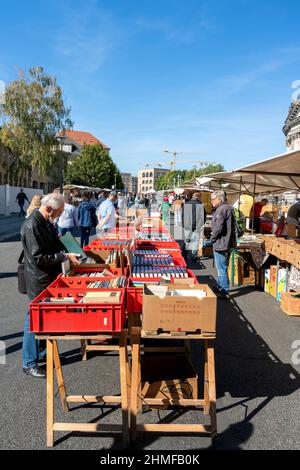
x,y
21,257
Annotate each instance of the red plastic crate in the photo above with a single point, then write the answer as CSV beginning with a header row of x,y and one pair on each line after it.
x,y
75,318
80,282
144,244
134,295
83,270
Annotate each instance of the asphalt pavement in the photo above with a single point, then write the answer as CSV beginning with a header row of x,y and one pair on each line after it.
x,y
258,385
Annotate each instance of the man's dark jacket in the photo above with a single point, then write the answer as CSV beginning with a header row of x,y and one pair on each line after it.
x,y
192,216
42,253
223,228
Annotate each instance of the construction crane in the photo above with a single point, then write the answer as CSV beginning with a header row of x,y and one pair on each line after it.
x,y
173,162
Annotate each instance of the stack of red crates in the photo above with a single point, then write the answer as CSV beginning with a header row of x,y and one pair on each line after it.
x,y
65,317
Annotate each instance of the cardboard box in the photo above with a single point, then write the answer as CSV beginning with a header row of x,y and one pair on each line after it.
x,y
293,253
269,242
168,377
273,280
281,282
280,248
240,271
267,281
179,313
290,303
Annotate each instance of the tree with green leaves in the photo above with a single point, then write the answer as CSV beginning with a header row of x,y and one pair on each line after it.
x,y
94,167
167,181
34,113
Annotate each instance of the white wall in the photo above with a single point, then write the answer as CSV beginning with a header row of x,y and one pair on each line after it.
x,y
8,196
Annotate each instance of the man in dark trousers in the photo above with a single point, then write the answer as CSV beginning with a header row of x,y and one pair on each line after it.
x,y
43,255
223,238
20,199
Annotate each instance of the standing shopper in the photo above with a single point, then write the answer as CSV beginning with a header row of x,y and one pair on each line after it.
x,y
20,199
222,237
107,214
255,212
35,204
193,220
43,255
178,203
68,219
165,208
86,219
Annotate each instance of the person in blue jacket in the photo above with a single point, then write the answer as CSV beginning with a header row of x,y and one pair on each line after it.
x,y
86,218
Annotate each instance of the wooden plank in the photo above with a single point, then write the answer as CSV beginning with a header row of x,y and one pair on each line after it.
x,y
212,387
50,393
88,427
123,383
83,349
135,379
62,337
97,347
93,399
173,401
190,428
60,378
206,394
151,335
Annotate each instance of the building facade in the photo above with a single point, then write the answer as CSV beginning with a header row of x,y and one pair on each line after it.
x,y
134,181
291,126
73,141
14,174
147,178
127,181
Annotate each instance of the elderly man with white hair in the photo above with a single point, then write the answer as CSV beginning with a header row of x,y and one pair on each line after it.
x,y
223,238
43,255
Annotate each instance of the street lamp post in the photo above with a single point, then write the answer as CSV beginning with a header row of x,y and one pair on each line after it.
x,y
115,180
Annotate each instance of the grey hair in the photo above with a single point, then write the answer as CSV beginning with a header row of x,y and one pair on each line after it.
x,y
53,200
220,195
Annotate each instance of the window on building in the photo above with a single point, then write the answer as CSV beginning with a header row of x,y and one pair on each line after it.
x,y
35,185
143,175
147,174
143,189
147,188
1,181
42,186
151,174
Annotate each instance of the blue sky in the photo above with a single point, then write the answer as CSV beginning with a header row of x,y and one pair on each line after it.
x,y
211,79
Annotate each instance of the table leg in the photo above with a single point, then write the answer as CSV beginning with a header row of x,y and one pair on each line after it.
x,y
212,387
206,394
124,381
135,381
60,378
50,393
83,349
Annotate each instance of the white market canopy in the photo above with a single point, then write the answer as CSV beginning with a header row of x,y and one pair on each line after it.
x,y
276,174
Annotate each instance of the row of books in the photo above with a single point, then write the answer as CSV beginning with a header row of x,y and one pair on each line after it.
x,y
159,271
152,260
154,236
115,283
88,297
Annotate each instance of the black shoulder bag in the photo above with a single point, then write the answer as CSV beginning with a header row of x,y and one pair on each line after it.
x,y
21,276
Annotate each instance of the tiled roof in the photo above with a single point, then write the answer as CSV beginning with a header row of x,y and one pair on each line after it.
x,y
83,138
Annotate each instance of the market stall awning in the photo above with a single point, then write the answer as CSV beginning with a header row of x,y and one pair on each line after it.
x,y
276,174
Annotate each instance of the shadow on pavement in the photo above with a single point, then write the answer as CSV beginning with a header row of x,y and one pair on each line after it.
x,y
6,275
